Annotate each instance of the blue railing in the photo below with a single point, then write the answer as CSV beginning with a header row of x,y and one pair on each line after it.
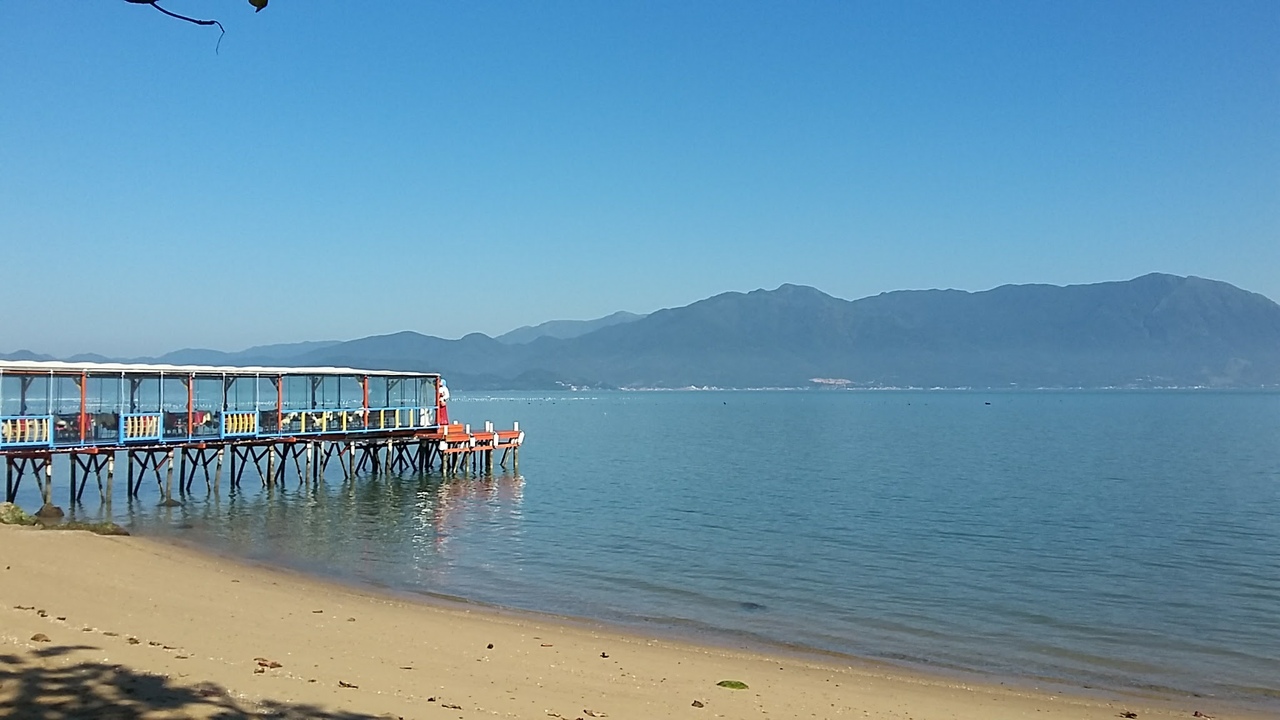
x,y
324,421
240,423
394,418
139,427
33,431
26,431
355,420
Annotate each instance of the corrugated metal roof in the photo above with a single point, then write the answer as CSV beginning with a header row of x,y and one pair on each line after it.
x,y
62,367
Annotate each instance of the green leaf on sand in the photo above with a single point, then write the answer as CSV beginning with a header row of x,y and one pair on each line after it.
x,y
732,684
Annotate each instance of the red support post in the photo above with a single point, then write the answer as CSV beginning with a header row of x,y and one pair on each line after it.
x,y
364,386
84,415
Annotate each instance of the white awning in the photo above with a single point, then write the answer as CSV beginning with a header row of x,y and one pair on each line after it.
x,y
60,367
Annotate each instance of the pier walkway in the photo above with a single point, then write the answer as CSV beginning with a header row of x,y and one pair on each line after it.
x,y
191,418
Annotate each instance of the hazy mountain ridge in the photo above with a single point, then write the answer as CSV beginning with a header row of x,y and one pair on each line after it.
x,y
1155,330
257,355
564,329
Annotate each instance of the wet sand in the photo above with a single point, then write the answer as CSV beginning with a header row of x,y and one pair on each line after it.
x,y
124,627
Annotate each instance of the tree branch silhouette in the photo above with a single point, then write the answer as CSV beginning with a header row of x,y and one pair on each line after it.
x,y
257,4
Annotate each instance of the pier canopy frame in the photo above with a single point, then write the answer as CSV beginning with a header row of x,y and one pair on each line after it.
x,y
55,404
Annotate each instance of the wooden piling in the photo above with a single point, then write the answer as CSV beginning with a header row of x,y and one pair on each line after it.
x,y
48,481
168,483
98,476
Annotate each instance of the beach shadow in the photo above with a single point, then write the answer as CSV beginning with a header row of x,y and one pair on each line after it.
x,y
112,692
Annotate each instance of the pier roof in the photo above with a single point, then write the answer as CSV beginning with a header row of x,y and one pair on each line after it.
x,y
64,367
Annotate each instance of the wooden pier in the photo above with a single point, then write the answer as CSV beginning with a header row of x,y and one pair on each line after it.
x,y
197,421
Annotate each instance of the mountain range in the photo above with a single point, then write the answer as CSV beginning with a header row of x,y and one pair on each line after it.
x,y
565,329
1151,331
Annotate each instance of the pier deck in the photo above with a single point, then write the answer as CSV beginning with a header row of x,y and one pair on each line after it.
x,y
193,416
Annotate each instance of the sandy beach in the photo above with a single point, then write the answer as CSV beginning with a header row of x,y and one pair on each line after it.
x,y
127,627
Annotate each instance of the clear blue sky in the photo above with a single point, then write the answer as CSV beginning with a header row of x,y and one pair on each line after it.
x,y
342,169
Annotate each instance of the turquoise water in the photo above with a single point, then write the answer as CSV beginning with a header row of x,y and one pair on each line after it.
x,y
1118,540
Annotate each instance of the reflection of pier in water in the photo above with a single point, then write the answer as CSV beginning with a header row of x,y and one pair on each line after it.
x,y
454,501
194,419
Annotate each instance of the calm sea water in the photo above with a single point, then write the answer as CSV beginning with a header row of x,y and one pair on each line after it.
x,y
1119,540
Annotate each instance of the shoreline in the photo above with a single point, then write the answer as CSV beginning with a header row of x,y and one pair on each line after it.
x,y
164,629
730,640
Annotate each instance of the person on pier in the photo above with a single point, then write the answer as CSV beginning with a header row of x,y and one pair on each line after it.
x,y
442,398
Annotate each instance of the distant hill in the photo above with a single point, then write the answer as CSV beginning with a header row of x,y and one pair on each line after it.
x,y
27,355
565,329
1150,331
1155,330
257,355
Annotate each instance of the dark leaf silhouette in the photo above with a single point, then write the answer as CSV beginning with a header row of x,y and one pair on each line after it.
x,y
113,692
